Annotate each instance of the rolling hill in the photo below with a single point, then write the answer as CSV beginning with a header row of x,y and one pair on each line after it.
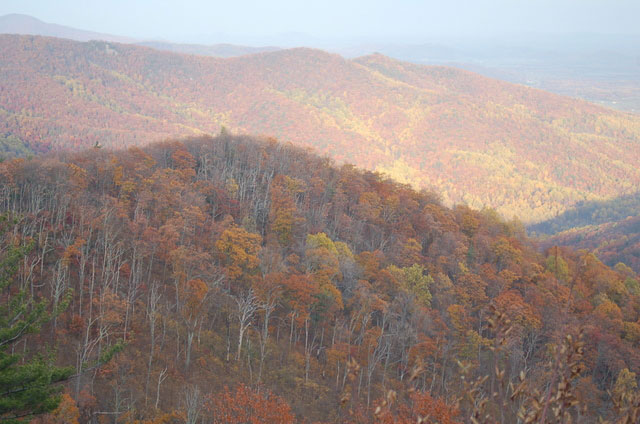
x,y
473,139
600,68
16,23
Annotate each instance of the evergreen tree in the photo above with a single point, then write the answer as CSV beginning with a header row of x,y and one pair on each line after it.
x,y
27,382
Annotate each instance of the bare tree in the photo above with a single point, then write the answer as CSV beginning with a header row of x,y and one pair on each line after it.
x,y
193,404
152,315
267,307
375,355
309,346
161,377
194,313
247,306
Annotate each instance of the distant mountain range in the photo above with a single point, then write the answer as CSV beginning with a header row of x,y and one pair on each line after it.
x,y
473,139
600,68
28,25
215,50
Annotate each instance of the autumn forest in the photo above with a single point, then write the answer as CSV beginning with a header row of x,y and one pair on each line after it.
x,y
291,236
244,269
474,140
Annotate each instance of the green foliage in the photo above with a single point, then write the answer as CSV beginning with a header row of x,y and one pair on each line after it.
x,y
626,381
323,262
632,286
27,384
558,266
415,281
12,147
321,240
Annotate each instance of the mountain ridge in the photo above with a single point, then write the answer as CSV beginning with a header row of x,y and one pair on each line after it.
x,y
213,50
474,139
17,23
600,68
22,24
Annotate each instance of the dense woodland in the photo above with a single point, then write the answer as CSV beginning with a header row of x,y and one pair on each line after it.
x,y
473,140
612,242
252,281
610,229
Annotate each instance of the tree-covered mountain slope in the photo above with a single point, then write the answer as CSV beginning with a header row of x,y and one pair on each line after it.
x,y
609,229
473,139
247,278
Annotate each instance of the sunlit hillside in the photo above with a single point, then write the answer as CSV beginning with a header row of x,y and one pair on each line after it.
x,y
473,139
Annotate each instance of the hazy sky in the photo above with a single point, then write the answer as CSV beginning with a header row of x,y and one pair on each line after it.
x,y
204,20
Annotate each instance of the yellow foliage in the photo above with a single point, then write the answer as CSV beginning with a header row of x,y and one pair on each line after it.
x,y
239,250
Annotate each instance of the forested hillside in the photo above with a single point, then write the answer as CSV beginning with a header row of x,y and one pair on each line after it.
x,y
250,278
609,229
473,139
612,242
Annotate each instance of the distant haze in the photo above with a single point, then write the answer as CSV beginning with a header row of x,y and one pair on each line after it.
x,y
318,22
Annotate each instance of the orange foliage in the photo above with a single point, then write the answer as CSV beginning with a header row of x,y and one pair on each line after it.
x,y
66,413
246,406
338,283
